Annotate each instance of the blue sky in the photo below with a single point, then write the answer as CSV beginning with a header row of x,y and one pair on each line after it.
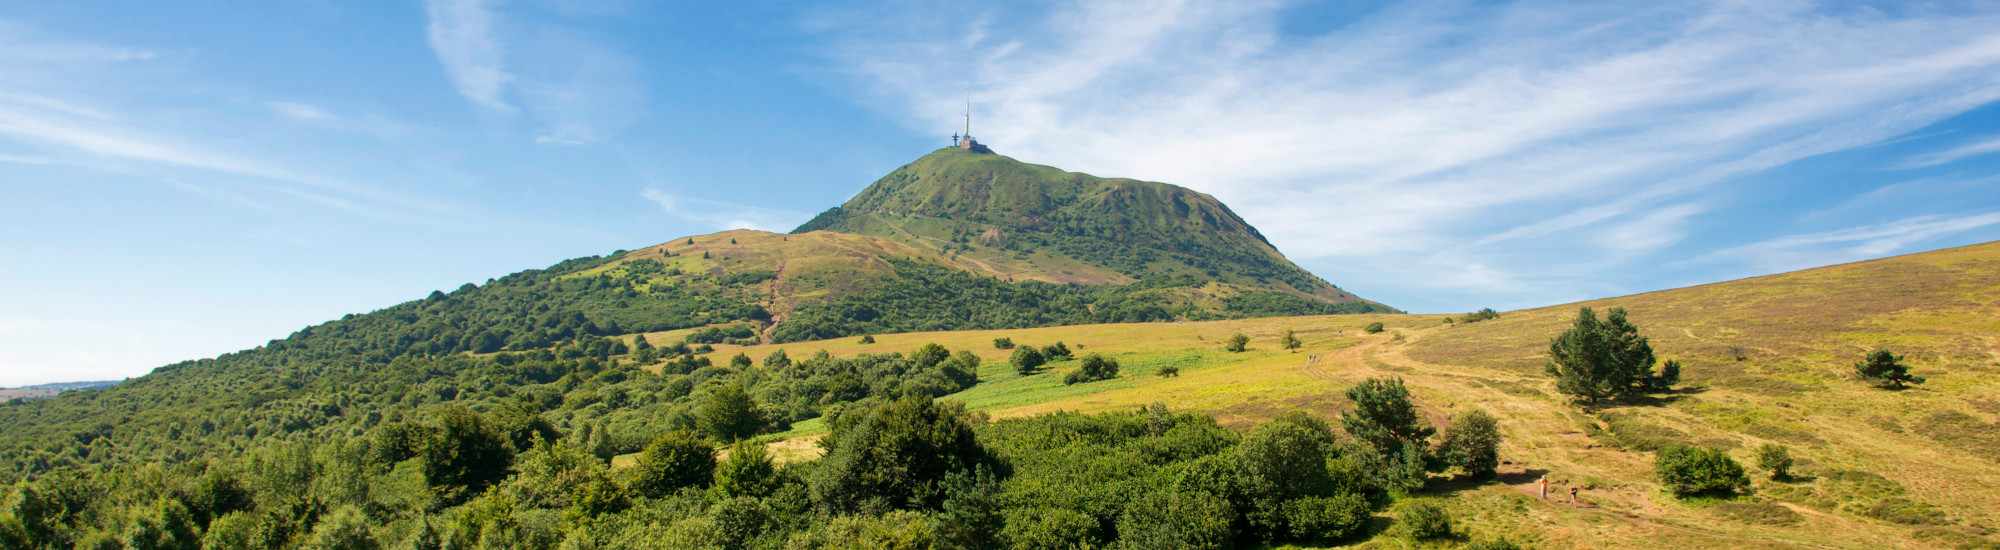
x,y
183,180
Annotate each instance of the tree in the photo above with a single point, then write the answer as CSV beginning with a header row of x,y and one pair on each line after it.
x,y
740,361
1283,459
1095,367
1057,352
1472,444
1237,343
465,454
1383,417
746,472
1291,341
1425,521
1693,471
1886,369
165,525
1374,328
671,462
893,455
1597,360
1027,360
777,359
1776,459
639,343
1003,343
728,414
344,529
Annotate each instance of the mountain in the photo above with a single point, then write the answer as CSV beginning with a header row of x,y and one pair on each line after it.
x,y
959,200
38,391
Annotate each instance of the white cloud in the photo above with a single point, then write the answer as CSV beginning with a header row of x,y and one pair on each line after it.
x,y
1977,148
1412,131
1845,245
722,215
461,32
300,111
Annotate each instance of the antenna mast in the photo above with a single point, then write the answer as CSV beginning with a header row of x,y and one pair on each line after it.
x,y
968,117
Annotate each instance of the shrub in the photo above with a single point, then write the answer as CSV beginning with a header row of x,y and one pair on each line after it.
x,y
740,361
671,462
1057,352
465,454
1373,328
1776,459
747,472
1177,519
893,455
1326,518
728,414
1425,521
867,338
1027,360
1290,341
1886,369
1169,371
1050,528
1003,343
1237,343
1500,543
1485,313
1694,471
1472,444
1095,367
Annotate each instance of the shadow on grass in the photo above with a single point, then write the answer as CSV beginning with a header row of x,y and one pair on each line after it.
x,y
1466,483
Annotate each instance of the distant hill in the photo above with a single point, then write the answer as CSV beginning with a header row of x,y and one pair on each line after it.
x,y
50,390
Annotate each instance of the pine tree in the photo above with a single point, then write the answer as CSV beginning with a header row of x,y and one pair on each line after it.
x,y
1886,369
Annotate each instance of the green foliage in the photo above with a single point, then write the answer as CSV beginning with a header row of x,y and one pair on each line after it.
x,y
672,462
746,472
1003,343
740,361
1886,369
1776,459
1484,314
1176,519
1237,343
972,513
1471,444
728,414
1169,371
1498,543
1598,360
1384,418
1290,341
164,525
1027,360
1373,328
718,335
1695,471
1057,352
1424,521
1326,519
1095,367
868,339
344,529
464,455
891,455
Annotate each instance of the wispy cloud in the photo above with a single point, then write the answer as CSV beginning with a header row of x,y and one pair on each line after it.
x,y
300,111
1977,148
1488,135
575,89
461,32
722,215
1850,244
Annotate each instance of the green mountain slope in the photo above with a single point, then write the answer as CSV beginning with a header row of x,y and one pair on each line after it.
x,y
957,200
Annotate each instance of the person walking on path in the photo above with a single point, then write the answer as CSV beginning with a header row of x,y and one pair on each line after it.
x,y
1572,495
1545,487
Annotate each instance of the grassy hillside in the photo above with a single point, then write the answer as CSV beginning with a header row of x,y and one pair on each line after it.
x,y
1767,360
957,200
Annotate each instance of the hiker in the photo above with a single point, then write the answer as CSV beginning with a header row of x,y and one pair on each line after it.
x,y
1572,495
1545,487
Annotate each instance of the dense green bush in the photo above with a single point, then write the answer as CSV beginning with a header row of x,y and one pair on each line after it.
x,y
1373,328
1695,471
1174,519
1237,343
1027,360
1003,343
1776,459
1471,444
889,456
1290,341
673,462
1886,369
1095,367
1424,521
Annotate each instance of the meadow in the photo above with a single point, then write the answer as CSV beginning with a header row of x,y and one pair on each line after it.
x,y
1766,360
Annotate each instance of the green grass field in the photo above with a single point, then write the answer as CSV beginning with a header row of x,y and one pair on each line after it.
x,y
1918,468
